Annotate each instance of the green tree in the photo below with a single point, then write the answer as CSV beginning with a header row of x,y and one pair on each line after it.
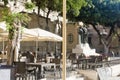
x,y
73,7
14,23
48,6
5,2
104,12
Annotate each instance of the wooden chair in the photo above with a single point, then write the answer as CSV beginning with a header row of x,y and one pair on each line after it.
x,y
72,57
58,66
31,72
20,70
92,62
54,73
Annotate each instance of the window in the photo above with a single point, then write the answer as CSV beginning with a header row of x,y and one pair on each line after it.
x,y
70,38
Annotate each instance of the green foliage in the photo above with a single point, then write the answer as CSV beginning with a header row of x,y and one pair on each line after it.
x,y
105,12
54,5
73,7
29,5
11,18
3,11
5,2
40,3
14,18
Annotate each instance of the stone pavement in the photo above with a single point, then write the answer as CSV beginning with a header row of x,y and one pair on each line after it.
x,y
89,74
85,75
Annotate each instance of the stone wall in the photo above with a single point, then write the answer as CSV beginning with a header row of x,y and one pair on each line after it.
x,y
40,22
72,36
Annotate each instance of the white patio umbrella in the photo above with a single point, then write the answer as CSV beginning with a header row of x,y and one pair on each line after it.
x,y
43,35
31,34
35,34
26,34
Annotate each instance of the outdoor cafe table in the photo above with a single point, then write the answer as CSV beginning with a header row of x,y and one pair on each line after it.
x,y
85,61
41,66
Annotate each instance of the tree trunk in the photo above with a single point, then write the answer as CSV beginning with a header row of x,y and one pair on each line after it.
x,y
105,43
98,32
38,10
9,53
106,49
17,45
13,46
47,27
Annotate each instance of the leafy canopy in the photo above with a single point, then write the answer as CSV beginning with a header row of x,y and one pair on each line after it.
x,y
105,12
73,7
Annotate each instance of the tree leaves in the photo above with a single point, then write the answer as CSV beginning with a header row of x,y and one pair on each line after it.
x,y
14,18
29,5
73,8
105,12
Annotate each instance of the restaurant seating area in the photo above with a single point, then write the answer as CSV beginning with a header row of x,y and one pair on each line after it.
x,y
82,62
50,67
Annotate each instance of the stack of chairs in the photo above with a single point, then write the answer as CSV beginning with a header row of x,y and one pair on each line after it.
x,y
20,71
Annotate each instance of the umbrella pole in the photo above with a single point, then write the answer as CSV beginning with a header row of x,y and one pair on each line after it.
x,y
36,50
3,45
64,42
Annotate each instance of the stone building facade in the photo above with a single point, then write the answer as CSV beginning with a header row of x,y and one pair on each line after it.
x,y
72,36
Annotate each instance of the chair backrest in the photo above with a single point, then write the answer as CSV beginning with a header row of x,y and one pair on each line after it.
x,y
20,67
104,73
93,59
56,61
99,59
72,56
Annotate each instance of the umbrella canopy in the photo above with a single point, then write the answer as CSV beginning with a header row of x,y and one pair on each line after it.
x,y
26,33
43,35
31,34
25,36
